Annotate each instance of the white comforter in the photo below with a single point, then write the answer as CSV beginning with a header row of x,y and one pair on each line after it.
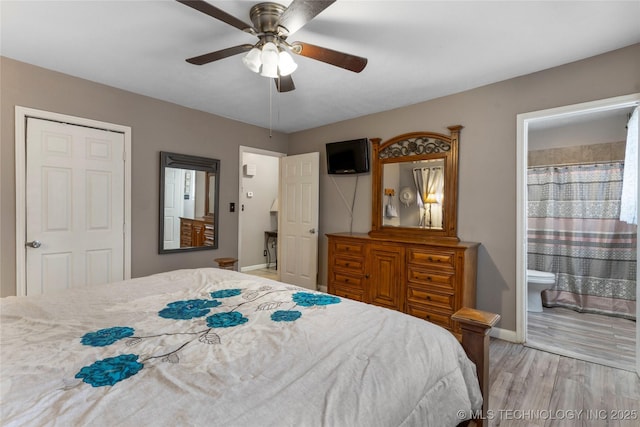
x,y
254,353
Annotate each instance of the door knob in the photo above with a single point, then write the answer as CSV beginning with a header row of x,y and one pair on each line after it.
x,y
35,244
312,231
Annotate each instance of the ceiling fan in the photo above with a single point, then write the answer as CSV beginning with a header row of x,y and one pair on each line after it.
x,y
272,24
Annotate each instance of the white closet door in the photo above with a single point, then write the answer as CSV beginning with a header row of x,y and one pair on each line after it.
x,y
74,206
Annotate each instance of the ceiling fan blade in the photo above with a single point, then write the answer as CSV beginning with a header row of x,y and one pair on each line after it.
x,y
219,54
300,12
333,57
284,83
208,9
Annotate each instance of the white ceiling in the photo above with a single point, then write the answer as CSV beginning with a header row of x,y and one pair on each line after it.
x,y
417,50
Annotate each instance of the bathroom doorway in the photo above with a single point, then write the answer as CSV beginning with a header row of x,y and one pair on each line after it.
x,y
258,211
577,140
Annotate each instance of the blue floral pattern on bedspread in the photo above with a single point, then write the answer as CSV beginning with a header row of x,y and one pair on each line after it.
x,y
307,299
226,320
233,313
103,337
188,309
286,315
110,370
226,293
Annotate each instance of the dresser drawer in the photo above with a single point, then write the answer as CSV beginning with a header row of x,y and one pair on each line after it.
x,y
352,281
355,265
422,296
432,258
439,318
429,279
440,280
347,293
348,248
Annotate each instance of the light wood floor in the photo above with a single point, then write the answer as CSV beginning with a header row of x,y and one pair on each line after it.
x,y
269,273
529,387
592,337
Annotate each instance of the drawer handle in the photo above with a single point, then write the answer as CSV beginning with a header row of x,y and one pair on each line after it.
x,y
346,264
346,280
347,248
429,278
430,259
428,298
428,317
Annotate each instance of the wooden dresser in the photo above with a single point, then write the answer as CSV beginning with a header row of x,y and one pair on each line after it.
x,y
196,232
430,280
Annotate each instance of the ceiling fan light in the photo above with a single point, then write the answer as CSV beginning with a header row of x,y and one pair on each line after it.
x,y
269,70
269,59
252,60
286,64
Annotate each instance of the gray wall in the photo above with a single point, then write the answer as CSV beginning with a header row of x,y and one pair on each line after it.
x,y
585,131
156,126
487,177
257,217
487,196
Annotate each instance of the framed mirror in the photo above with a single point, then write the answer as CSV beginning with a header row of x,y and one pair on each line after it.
x,y
415,185
189,193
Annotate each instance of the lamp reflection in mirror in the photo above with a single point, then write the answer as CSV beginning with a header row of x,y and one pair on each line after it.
x,y
269,61
431,199
418,181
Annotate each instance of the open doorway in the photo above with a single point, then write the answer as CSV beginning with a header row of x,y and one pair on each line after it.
x,y
258,212
558,151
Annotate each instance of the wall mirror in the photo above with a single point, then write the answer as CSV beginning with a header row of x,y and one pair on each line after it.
x,y
189,190
415,185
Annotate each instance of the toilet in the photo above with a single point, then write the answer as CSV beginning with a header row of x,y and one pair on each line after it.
x,y
537,281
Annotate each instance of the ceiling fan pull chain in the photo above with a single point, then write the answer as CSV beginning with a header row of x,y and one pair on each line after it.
x,y
270,109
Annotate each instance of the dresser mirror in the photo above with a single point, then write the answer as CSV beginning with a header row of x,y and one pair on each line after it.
x,y
415,185
188,214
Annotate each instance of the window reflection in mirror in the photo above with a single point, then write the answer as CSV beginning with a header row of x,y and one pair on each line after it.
x,y
413,194
188,203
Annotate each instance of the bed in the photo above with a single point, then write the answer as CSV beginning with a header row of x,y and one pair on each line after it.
x,y
218,347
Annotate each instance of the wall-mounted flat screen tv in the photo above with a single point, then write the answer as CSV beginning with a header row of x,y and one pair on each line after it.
x,y
348,157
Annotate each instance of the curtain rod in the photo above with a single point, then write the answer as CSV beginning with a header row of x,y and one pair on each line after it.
x,y
560,165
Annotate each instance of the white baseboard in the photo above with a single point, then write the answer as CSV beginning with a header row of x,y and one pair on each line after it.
x,y
504,334
253,267
322,288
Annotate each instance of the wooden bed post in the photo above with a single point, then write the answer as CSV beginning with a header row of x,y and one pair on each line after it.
x,y
476,325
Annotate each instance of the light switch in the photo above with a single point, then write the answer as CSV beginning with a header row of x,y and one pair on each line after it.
x,y
250,169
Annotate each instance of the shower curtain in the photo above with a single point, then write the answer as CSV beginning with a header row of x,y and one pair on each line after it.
x,y
574,231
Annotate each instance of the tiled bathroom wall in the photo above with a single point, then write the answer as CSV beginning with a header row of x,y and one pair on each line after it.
x,y
592,153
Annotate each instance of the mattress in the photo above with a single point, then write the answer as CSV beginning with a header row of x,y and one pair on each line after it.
x,y
217,347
